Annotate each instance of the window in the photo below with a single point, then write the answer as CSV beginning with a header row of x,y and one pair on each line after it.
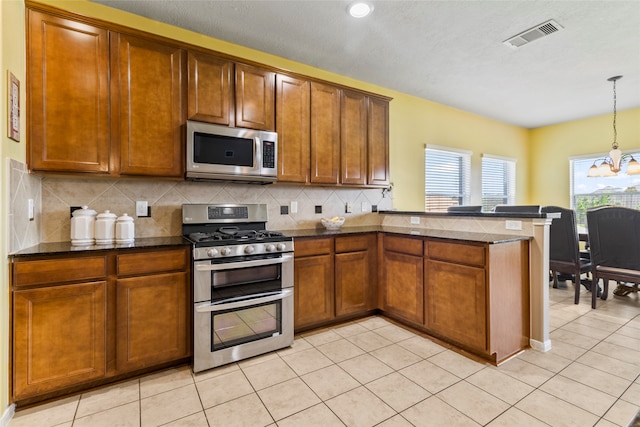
x,y
586,193
498,181
446,178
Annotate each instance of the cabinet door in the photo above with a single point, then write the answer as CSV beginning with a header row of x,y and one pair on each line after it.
x,y
58,337
314,294
353,138
325,134
151,325
378,142
402,286
293,110
353,283
67,95
456,302
255,97
148,106
210,89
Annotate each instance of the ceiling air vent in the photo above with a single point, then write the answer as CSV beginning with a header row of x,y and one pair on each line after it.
x,y
532,34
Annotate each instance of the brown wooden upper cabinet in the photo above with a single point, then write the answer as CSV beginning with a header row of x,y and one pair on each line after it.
x,y
325,134
210,89
255,97
353,138
80,121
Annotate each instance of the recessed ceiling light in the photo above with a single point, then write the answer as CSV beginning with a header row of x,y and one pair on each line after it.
x,y
360,9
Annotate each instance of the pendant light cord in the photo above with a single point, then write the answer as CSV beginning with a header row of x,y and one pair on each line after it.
x,y
615,131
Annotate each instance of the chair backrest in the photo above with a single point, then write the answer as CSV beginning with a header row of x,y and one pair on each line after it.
x,y
465,208
563,235
614,237
517,208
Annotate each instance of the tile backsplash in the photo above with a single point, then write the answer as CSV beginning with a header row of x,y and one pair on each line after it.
x,y
23,186
166,198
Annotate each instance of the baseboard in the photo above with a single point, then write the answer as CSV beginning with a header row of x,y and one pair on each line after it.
x,y
542,346
8,414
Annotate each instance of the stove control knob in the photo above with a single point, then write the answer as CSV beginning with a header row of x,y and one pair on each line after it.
x,y
212,252
281,246
270,248
225,251
249,250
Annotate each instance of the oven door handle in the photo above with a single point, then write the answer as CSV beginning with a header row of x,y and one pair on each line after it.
x,y
207,266
240,302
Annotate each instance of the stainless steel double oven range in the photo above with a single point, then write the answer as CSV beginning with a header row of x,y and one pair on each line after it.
x,y
242,283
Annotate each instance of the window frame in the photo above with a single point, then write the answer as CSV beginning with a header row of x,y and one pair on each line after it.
x,y
509,181
463,179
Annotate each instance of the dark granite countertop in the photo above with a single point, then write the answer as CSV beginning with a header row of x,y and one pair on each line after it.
x,y
468,214
60,248
464,236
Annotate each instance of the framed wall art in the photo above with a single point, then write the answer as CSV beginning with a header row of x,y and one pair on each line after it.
x,y
13,109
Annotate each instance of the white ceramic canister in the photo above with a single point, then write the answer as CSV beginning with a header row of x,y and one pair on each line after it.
x,y
105,228
124,229
82,226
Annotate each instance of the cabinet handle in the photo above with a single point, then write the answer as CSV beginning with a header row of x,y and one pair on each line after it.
x,y
207,266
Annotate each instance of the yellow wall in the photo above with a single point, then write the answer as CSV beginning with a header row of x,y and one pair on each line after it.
x,y
551,147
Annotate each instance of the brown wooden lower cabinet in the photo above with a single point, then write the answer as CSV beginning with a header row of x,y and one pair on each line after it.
x,y
355,275
73,315
313,278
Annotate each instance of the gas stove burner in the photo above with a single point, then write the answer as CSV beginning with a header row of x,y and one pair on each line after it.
x,y
238,235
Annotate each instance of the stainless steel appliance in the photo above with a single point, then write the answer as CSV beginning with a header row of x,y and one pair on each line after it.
x,y
217,152
242,283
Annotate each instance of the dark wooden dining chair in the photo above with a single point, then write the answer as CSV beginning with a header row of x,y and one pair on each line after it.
x,y
464,208
614,242
564,249
517,209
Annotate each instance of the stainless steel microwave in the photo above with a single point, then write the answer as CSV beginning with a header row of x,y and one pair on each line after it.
x,y
217,152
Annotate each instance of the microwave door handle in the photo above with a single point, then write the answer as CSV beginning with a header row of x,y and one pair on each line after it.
x,y
234,303
206,266
257,153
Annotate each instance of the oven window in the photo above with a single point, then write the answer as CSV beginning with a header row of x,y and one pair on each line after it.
x,y
245,281
239,326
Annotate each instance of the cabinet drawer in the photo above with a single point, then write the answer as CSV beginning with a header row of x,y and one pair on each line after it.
x,y
455,252
60,270
403,245
353,243
151,262
307,247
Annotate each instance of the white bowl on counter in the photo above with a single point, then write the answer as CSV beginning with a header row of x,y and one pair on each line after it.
x,y
333,224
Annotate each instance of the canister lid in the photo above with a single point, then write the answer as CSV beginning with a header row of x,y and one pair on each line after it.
x,y
107,215
85,211
125,218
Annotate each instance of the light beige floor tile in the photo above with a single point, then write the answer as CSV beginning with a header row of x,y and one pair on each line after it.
x,y
307,361
632,395
165,381
199,419
396,421
610,365
429,376
433,412
330,381
398,391
622,412
340,350
369,341
350,330
595,322
515,417
223,388
605,423
127,415
573,338
299,344
169,406
423,347
258,359
360,408
247,411
596,378
365,368
284,399
394,333
215,372
563,349
555,412
546,360
396,356
316,416
268,373
629,331
618,352
580,395
108,397
525,372
500,385
320,338
48,414
374,322
474,402
456,364
608,316
586,330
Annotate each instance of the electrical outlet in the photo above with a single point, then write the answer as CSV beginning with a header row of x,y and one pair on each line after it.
x,y
318,209
142,208
415,220
365,207
294,207
348,207
30,213
374,208
284,210
513,225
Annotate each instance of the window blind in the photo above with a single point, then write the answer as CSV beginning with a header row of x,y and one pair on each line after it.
x,y
498,181
446,178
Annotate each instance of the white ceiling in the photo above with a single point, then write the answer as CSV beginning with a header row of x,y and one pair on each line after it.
x,y
450,52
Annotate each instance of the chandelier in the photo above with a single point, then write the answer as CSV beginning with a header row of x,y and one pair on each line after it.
x,y
612,164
